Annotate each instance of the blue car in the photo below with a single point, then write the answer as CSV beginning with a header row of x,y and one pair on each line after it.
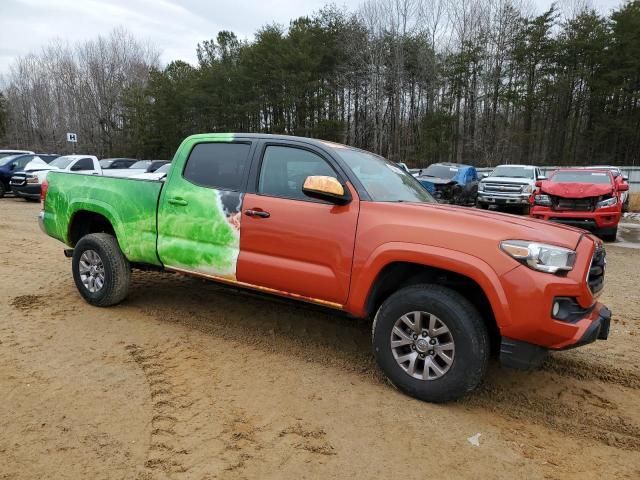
x,y
454,183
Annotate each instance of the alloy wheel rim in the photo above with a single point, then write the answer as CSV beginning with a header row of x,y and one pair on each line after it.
x,y
91,271
422,345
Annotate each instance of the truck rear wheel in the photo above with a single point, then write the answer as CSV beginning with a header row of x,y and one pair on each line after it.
x,y
431,343
100,270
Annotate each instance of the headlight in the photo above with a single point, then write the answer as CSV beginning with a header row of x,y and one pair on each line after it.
x,y
527,189
609,202
481,187
32,179
543,200
540,256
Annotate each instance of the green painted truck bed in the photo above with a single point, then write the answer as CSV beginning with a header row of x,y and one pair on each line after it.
x,y
129,204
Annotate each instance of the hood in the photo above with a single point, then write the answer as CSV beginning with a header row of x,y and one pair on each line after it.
x,y
436,180
473,225
38,164
516,181
576,190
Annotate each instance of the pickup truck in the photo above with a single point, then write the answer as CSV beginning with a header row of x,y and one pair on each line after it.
x,y
345,229
509,186
589,199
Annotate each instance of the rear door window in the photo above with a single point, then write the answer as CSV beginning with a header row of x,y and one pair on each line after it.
x,y
218,165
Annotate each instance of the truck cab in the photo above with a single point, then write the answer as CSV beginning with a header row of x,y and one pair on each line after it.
x,y
509,186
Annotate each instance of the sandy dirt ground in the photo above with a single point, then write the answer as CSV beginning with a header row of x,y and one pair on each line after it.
x,y
186,380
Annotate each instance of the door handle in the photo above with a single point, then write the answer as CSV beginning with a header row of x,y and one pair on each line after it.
x,y
257,213
178,201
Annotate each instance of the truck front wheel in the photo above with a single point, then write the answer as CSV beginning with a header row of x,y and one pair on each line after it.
x,y
431,343
100,270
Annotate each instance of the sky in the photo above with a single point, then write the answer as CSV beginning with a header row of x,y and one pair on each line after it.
x,y
173,26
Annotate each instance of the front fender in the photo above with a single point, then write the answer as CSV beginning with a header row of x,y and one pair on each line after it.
x,y
366,274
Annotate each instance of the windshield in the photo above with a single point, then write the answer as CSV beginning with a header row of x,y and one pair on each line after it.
x,y
164,168
61,162
512,172
141,164
440,171
581,177
384,181
4,160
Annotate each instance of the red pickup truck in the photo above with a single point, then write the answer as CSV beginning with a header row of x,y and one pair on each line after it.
x,y
586,198
348,230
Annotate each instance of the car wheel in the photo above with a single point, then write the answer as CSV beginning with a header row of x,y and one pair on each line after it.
x,y
3,190
610,234
525,210
101,272
431,343
483,206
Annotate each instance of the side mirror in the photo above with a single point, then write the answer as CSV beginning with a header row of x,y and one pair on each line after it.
x,y
12,167
539,183
326,188
625,178
623,187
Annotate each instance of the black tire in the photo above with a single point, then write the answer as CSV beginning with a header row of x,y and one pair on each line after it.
x,y
609,235
117,272
466,327
3,190
526,210
483,206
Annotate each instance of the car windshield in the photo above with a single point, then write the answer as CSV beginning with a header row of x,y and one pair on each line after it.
x,y
383,180
164,168
513,172
440,171
141,164
581,177
7,159
61,162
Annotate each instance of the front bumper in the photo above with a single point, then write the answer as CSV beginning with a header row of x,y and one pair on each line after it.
x,y
525,356
494,198
602,218
31,191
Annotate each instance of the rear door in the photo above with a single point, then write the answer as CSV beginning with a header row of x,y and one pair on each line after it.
x,y
292,243
199,210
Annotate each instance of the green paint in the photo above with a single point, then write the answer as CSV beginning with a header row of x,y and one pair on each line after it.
x,y
130,206
196,236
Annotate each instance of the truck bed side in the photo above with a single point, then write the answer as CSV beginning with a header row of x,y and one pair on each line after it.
x,y
129,205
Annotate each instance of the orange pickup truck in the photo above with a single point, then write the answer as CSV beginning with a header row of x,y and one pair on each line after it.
x,y
348,230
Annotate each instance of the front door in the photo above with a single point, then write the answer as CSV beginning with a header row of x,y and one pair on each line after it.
x,y
292,243
199,210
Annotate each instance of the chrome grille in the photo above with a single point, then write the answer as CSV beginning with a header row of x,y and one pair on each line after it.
x,y
503,187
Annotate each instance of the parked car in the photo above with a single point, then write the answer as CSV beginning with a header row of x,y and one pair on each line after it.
x,y
27,184
348,230
158,174
509,186
589,199
138,167
620,179
451,182
116,163
10,164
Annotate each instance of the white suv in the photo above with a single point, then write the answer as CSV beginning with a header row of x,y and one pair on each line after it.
x,y
509,186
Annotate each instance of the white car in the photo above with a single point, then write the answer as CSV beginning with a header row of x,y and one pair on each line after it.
x,y
159,174
509,186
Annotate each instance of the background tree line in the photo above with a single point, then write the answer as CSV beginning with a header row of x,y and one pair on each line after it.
x,y
477,81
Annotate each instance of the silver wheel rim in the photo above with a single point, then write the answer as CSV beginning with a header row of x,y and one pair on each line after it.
x,y
422,345
91,271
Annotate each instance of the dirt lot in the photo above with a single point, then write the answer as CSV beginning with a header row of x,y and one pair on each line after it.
x,y
186,380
